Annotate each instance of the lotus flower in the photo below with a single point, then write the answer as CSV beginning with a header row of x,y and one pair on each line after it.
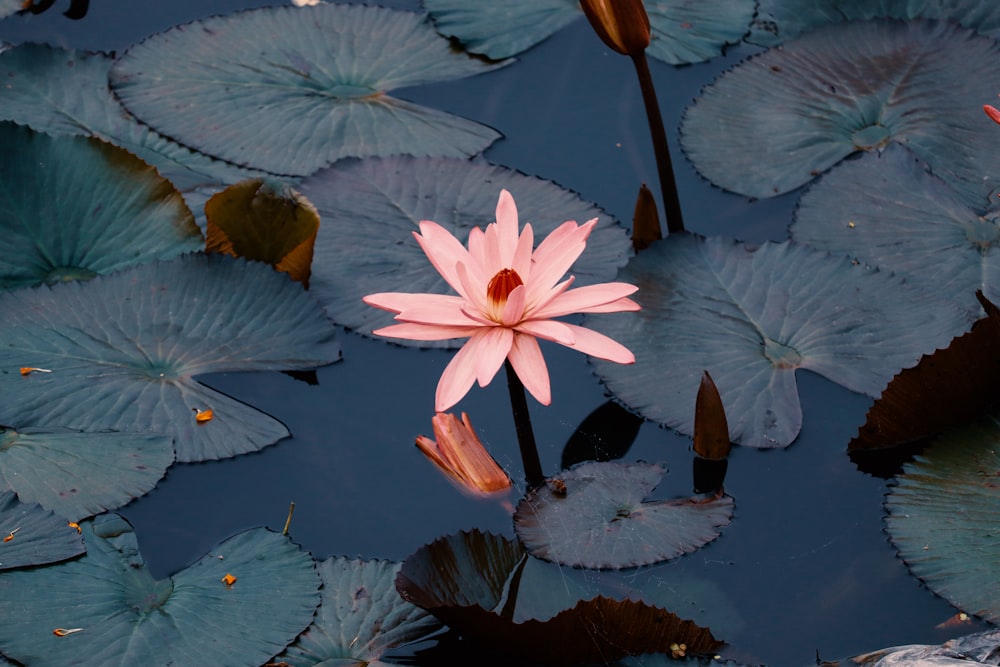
x,y
508,297
460,455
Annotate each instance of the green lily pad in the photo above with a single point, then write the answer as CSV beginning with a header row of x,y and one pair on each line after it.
x,y
128,618
124,349
943,517
486,587
37,536
593,516
72,208
292,89
60,91
789,114
751,317
77,474
887,210
682,32
781,20
377,203
360,617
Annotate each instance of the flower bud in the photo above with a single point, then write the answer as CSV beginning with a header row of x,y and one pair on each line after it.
x,y
621,24
460,455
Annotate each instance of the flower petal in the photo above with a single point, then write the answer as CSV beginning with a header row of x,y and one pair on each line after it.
x,y
560,332
513,310
474,291
458,376
491,349
401,302
598,345
556,254
507,229
444,252
522,255
526,358
619,306
417,331
585,299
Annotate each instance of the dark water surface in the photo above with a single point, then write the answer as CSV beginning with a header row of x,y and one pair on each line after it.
x,y
805,565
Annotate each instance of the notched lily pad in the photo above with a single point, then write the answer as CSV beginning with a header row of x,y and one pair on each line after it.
x,y
751,317
73,208
126,617
377,203
473,582
360,617
291,89
942,517
594,516
123,351
789,114
81,474
31,535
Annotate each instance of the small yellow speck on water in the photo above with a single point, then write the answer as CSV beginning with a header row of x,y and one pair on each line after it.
x,y
11,535
228,580
678,650
851,224
202,416
62,632
74,524
28,370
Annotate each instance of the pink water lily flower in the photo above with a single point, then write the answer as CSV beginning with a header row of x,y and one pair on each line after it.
x,y
508,297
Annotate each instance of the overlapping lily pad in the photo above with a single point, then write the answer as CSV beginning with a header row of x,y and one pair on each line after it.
x,y
31,535
61,91
943,517
289,90
73,207
360,617
887,210
788,115
594,516
81,474
376,204
488,588
126,617
751,318
683,32
124,349
780,20
8,7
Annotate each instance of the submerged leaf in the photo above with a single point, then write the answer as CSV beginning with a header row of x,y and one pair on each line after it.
x,y
593,516
487,588
81,474
74,208
845,88
751,317
129,618
125,348
943,517
289,90
267,221
39,536
361,616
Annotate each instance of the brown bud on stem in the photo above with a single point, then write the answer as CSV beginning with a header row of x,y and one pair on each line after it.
x,y
621,24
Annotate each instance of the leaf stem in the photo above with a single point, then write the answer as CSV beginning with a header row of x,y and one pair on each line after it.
x,y
522,424
668,183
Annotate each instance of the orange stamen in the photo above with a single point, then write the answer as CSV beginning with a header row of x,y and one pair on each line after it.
x,y
499,288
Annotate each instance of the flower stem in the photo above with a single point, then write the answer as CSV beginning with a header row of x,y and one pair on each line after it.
x,y
668,184
522,424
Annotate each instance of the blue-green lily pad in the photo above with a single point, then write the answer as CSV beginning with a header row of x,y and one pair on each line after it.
x,y
81,474
124,349
751,317
779,119
60,91
887,210
8,7
126,617
289,90
943,517
360,617
73,207
376,204
781,20
31,535
682,32
593,516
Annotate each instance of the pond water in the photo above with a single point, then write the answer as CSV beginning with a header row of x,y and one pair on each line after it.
x,y
805,566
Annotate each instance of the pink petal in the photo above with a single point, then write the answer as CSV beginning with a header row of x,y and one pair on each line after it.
x,y
522,256
547,297
526,358
491,350
506,228
600,346
491,251
474,291
619,306
444,252
560,332
426,308
556,254
585,299
391,301
513,310
414,331
458,376
477,242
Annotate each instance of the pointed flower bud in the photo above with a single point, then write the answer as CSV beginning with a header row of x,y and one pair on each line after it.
x,y
460,455
621,24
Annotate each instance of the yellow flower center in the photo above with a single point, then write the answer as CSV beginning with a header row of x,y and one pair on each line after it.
x,y
499,288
